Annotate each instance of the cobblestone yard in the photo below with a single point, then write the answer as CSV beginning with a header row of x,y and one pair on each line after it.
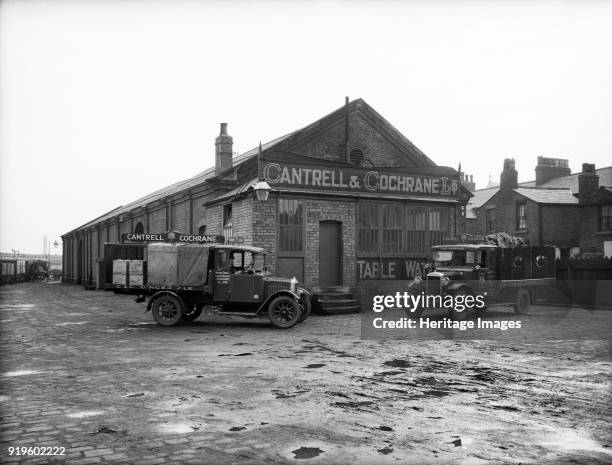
x,y
90,372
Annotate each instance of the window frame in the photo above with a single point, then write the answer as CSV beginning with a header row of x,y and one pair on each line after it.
x,y
600,218
302,226
521,220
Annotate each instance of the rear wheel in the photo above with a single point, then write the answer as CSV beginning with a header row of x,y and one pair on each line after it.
x,y
523,301
284,312
167,310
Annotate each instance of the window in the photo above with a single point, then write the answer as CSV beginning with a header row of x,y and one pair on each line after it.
x,y
521,216
392,229
291,225
416,230
139,229
367,228
202,230
356,156
605,218
228,229
490,220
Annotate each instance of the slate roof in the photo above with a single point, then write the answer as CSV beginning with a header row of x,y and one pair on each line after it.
x,y
548,196
481,196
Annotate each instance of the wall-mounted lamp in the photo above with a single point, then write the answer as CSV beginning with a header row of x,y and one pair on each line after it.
x,y
262,188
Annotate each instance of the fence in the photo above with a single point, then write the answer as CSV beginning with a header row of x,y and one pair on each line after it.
x,y
586,280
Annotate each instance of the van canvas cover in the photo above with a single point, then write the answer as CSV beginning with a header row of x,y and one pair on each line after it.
x,y
177,264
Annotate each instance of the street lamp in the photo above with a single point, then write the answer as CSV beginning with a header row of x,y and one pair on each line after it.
x,y
261,187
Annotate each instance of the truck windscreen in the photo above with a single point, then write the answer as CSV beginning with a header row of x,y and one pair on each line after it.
x,y
454,257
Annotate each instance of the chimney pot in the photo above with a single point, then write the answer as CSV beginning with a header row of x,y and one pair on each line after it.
x,y
223,150
223,129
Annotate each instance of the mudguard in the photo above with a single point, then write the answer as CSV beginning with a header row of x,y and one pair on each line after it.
x,y
452,287
157,294
264,306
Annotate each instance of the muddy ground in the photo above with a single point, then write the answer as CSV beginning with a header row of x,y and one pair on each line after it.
x,y
91,372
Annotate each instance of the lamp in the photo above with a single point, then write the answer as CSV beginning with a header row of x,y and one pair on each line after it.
x,y
262,188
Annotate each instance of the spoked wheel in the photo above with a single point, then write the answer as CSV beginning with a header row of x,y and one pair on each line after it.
x,y
167,310
284,312
523,300
192,313
460,315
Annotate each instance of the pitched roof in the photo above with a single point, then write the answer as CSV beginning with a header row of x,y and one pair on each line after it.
x,y
281,143
547,195
481,196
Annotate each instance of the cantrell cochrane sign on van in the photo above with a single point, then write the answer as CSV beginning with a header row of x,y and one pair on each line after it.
x,y
359,180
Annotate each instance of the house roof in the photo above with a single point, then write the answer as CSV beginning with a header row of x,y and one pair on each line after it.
x,y
482,196
547,195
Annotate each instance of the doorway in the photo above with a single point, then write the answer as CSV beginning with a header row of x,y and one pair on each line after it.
x,y
330,253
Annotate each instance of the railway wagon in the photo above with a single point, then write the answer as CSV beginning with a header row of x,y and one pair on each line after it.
x,y
8,271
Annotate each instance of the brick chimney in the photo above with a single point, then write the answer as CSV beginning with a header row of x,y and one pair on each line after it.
x,y
508,179
550,168
588,181
223,150
468,182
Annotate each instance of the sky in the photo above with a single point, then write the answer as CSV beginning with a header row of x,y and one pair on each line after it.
x,y
103,102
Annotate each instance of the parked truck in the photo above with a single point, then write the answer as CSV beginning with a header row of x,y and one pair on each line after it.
x,y
180,279
502,271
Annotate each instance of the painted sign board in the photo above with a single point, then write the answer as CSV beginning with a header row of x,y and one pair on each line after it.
x,y
172,237
390,268
349,179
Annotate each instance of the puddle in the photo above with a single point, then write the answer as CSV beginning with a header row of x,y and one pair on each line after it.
x,y
8,307
567,439
315,365
85,414
397,363
11,374
5,398
177,428
307,452
71,323
135,394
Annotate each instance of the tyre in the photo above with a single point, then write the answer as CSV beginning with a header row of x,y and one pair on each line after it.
x,y
305,308
523,301
192,313
167,310
284,312
460,315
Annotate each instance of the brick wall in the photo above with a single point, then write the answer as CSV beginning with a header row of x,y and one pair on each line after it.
x,y
561,225
180,216
157,220
329,144
214,218
264,229
591,240
330,210
242,219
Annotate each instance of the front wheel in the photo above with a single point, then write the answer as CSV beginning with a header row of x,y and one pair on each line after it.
x,y
460,314
192,313
167,310
284,312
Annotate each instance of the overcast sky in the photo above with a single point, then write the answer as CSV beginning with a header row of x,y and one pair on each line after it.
x,y
104,102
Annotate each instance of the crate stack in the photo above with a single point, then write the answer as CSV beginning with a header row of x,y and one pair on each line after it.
x,y
137,272
120,272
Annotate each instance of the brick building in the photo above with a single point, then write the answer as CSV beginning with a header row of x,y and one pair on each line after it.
x,y
570,211
351,201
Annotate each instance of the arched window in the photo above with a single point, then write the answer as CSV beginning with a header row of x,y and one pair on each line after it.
x,y
139,229
202,230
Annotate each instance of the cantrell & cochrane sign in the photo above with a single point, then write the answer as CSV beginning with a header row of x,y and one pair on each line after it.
x,y
359,180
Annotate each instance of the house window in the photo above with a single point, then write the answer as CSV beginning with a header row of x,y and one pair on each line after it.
x,y
368,228
605,218
521,216
392,229
228,228
490,220
291,225
139,229
202,230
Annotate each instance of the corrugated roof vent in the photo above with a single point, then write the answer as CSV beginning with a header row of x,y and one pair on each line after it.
x,y
356,156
